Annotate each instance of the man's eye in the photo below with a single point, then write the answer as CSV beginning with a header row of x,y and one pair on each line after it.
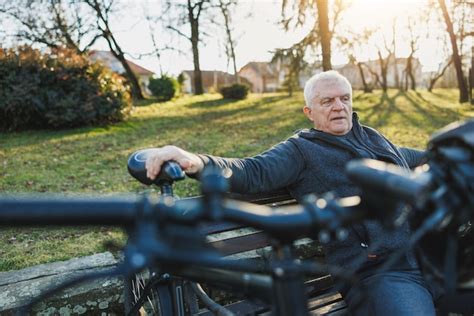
x,y
345,98
326,102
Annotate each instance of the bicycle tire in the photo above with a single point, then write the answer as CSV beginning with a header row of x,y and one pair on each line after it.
x,y
147,295
162,295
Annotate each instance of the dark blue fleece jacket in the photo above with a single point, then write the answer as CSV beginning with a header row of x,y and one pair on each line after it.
x,y
312,161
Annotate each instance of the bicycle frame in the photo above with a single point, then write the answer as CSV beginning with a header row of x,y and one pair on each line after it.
x,y
447,195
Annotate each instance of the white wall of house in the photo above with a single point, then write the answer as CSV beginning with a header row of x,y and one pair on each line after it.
x,y
144,82
187,88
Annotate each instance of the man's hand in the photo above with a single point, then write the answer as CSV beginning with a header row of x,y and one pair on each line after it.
x,y
190,162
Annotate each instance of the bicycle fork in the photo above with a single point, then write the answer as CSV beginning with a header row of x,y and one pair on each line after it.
x,y
289,294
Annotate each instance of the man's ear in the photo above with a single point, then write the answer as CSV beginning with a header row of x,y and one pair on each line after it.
x,y
307,111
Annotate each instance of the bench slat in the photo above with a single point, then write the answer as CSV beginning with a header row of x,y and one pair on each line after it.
x,y
244,243
339,307
322,300
215,228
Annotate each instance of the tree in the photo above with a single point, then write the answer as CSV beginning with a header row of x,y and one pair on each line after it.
x,y
102,10
324,33
353,42
224,6
436,75
55,24
383,64
436,34
292,59
413,39
384,61
74,24
190,13
151,27
321,33
456,57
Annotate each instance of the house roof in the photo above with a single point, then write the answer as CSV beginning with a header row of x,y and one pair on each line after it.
x,y
107,56
264,69
139,69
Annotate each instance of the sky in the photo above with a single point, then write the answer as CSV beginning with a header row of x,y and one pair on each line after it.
x,y
258,33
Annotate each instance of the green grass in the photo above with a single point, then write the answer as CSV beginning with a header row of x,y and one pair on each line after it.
x,y
93,160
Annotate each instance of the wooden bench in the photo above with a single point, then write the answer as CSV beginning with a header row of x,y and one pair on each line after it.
x,y
322,298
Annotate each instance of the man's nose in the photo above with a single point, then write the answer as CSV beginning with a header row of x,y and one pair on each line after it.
x,y
338,104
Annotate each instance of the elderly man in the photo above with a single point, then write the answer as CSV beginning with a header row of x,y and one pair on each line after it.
x,y
313,161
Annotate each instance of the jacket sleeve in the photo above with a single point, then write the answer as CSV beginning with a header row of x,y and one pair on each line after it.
x,y
273,169
413,157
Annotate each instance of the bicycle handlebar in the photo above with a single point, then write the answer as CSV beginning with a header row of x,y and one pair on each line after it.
x,y
389,180
54,210
288,222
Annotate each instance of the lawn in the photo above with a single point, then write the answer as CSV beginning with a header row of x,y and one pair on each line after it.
x,y
93,160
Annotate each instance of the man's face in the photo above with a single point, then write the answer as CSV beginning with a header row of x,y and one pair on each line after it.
x,y
331,109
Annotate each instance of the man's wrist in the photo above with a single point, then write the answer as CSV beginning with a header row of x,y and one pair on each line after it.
x,y
201,161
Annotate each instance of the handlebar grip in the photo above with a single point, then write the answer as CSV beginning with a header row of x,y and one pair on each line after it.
x,y
68,211
384,178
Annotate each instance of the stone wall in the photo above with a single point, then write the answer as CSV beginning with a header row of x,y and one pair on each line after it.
x,y
98,297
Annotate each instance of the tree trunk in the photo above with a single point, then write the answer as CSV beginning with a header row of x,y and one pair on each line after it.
x,y
383,71
434,79
115,48
409,72
471,83
397,76
471,76
194,22
462,85
367,89
118,53
324,33
225,14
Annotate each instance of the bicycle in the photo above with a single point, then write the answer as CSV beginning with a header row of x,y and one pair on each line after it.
x,y
152,224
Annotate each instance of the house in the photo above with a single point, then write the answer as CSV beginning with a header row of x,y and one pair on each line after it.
x,y
109,60
264,76
212,80
396,74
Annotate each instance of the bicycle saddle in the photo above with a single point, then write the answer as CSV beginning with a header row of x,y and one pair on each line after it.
x,y
170,171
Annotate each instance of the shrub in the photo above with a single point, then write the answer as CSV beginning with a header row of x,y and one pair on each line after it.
x,y
57,90
235,91
163,88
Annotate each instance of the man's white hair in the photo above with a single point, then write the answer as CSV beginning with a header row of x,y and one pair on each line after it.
x,y
311,87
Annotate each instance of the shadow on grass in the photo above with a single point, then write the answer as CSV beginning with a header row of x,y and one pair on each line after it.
x,y
32,137
217,115
420,96
361,96
220,102
379,114
140,131
143,131
429,115
147,102
437,116
210,104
